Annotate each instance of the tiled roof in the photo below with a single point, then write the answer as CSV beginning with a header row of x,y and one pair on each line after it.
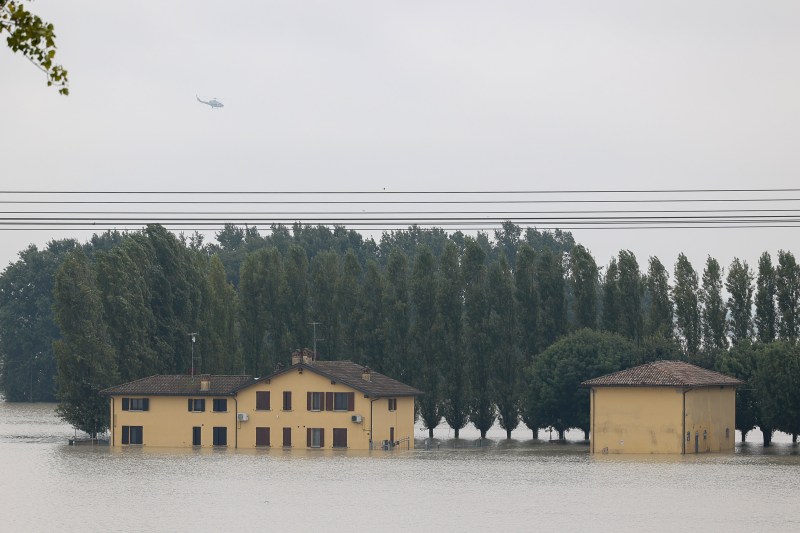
x,y
350,374
180,385
663,374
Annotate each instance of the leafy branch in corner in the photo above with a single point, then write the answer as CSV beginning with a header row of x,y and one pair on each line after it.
x,y
34,39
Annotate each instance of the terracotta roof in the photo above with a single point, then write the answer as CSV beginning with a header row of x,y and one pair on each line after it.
x,y
663,374
179,385
350,374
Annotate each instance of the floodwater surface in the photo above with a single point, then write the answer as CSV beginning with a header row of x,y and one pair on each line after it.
x,y
456,485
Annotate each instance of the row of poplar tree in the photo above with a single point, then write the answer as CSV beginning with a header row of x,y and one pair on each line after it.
x,y
500,329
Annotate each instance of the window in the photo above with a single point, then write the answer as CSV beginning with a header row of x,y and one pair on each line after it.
x,y
135,404
262,400
262,436
220,436
315,438
340,437
316,401
393,404
220,405
287,437
197,405
287,400
344,401
196,436
132,435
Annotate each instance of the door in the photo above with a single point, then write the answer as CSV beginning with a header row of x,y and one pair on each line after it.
x,y
696,442
196,436
287,437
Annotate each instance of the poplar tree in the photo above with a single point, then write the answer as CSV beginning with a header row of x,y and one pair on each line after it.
x,y
347,300
584,281
398,321
630,294
553,309
687,308
223,351
506,358
297,298
526,297
324,269
423,299
766,317
612,316
714,319
739,285
659,314
450,347
787,285
372,333
476,313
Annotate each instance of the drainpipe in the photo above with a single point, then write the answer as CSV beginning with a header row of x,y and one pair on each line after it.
x,y
111,444
683,433
235,415
593,408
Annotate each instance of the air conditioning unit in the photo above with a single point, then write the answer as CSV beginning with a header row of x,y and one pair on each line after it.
x,y
241,417
357,419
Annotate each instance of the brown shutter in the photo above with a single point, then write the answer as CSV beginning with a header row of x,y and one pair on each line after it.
x,y
351,401
308,401
308,437
146,404
268,443
125,403
268,407
190,405
329,401
125,434
322,438
287,436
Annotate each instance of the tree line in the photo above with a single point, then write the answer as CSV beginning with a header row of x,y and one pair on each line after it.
x,y
492,329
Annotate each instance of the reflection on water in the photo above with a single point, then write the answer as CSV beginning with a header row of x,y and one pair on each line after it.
x,y
517,485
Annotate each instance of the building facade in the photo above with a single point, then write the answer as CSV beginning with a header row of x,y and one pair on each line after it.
x,y
311,404
662,407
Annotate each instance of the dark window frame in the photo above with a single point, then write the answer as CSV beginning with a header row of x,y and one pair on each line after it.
x,y
287,400
392,404
263,400
131,434
217,402
340,437
263,437
220,436
197,405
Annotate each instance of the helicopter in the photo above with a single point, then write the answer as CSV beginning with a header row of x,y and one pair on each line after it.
x,y
213,103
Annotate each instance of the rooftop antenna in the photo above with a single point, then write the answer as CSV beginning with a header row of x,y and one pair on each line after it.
x,y
194,339
315,324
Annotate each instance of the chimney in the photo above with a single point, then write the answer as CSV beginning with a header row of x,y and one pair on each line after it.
x,y
366,374
296,357
205,383
308,356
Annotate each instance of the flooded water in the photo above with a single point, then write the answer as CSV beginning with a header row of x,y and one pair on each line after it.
x,y
517,485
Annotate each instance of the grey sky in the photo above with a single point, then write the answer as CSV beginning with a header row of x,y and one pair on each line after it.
x,y
416,96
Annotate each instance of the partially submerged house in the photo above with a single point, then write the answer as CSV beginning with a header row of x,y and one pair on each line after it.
x,y
662,407
310,404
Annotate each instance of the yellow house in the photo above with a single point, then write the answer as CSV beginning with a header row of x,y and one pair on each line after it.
x,y
311,404
662,407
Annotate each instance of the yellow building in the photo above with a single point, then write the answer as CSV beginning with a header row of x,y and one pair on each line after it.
x,y
311,404
662,407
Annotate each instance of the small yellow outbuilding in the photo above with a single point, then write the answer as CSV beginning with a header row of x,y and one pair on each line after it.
x,y
311,404
662,407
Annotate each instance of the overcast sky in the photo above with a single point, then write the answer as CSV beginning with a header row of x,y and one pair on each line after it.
x,y
414,95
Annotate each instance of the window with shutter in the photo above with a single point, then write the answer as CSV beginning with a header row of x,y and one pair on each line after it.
x,y
126,402
132,435
340,437
393,404
287,400
262,436
197,405
315,401
220,405
262,400
341,401
220,436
